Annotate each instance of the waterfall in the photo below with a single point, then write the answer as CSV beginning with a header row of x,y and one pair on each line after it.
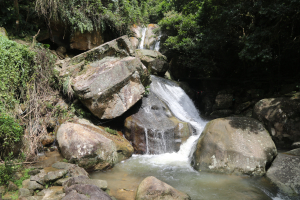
x,y
157,43
181,106
141,46
147,143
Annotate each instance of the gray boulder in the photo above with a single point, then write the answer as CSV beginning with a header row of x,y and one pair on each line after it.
x,y
112,81
102,184
155,62
91,147
234,145
281,118
285,173
91,192
152,188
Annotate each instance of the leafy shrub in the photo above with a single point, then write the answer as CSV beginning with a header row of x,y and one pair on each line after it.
x,y
16,69
10,133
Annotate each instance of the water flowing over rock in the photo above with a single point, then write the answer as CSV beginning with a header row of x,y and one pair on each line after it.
x,y
237,145
111,83
165,120
152,188
144,37
155,62
284,172
281,118
154,129
91,147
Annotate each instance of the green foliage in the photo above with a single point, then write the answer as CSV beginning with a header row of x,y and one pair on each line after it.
x,y
234,38
24,177
89,15
10,133
16,69
7,170
147,90
80,110
111,131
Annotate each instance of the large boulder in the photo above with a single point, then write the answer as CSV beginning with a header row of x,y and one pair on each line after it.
x,y
281,117
237,145
111,83
155,62
3,32
152,188
154,129
285,173
91,147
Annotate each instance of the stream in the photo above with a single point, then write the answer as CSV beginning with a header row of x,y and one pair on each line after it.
x,y
174,168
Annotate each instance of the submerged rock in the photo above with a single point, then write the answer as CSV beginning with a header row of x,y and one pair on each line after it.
x,y
152,188
281,118
91,147
155,62
237,145
285,173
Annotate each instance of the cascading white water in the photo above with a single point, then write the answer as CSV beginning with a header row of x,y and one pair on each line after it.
x,y
184,109
141,46
147,143
175,169
157,43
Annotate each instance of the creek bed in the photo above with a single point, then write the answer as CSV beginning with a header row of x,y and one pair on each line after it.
x,y
125,177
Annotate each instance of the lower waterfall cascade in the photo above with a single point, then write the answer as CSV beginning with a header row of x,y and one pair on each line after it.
x,y
174,168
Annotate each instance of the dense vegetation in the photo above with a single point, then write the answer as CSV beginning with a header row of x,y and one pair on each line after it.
x,y
238,39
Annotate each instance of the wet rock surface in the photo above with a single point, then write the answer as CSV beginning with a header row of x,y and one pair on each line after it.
x,y
152,188
234,145
154,129
285,173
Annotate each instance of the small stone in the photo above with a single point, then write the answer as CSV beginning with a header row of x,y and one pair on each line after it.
x,y
34,172
39,177
41,193
33,185
23,192
60,182
12,186
54,175
296,145
61,165
102,184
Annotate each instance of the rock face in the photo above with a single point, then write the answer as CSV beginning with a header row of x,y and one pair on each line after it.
x,y
154,61
152,188
154,129
285,173
150,37
238,145
111,83
281,117
91,147
137,36
3,32
87,40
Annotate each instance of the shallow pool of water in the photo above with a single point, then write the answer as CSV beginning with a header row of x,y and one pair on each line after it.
x,y
125,177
